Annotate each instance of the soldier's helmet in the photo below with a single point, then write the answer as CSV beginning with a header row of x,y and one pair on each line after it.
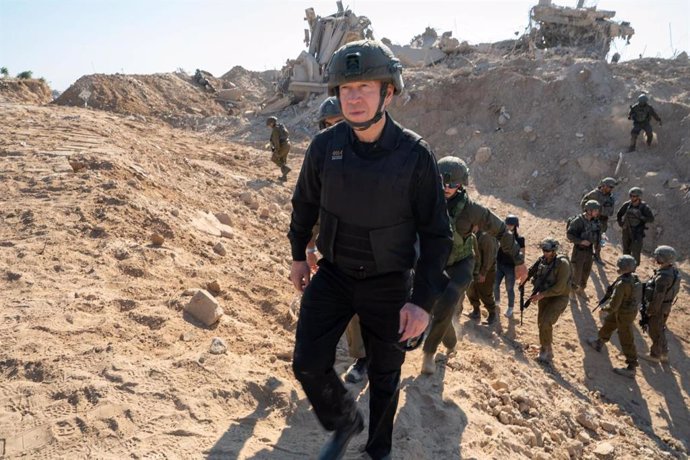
x,y
626,264
364,60
635,191
592,205
454,171
643,98
512,220
665,254
329,108
609,182
549,244
271,121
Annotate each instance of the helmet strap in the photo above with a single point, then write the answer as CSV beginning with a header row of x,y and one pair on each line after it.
x,y
363,125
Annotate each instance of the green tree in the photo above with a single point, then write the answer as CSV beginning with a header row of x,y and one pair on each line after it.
x,y
4,72
27,74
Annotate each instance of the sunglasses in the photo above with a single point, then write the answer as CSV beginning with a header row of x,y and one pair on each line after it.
x,y
452,185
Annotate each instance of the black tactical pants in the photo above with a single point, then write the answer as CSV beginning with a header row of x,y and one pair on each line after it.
x,y
632,245
623,322
483,292
442,328
328,304
581,261
657,330
646,127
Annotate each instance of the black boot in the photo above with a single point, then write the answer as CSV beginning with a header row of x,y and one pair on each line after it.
x,y
335,447
492,318
476,314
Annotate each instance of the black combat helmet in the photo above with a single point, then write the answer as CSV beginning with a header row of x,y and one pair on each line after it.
x,y
361,61
626,264
642,99
364,60
329,108
512,220
454,171
270,121
665,254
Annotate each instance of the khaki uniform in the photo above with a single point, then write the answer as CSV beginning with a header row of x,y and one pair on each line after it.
x,y
633,221
666,284
355,343
554,280
622,310
280,145
484,292
579,230
464,214
607,203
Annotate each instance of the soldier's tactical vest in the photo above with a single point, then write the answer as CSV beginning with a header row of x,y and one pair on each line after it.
x,y
367,223
592,229
545,277
671,292
641,113
463,245
606,201
635,300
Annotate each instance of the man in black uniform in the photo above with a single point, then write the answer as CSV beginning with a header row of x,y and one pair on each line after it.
x,y
377,188
641,115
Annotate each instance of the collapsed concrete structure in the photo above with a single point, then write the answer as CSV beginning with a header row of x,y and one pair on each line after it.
x,y
587,30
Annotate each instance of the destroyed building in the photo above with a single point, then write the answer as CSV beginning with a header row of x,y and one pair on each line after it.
x,y
587,31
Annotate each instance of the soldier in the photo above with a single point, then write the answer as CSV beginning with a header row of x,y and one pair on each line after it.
x,y
329,112
505,267
551,289
464,215
583,231
481,289
280,145
602,194
633,216
377,189
660,293
625,297
641,114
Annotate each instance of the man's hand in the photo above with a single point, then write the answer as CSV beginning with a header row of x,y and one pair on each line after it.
x,y
311,261
413,321
536,297
300,274
521,273
585,243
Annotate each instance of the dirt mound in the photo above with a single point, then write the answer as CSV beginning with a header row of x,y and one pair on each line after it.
x,y
167,96
29,91
255,86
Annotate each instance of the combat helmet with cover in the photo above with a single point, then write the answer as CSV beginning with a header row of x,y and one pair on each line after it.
x,y
454,171
635,191
549,244
626,264
665,254
592,205
270,121
329,108
609,182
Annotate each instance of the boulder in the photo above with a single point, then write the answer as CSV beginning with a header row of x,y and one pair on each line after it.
x,y
204,307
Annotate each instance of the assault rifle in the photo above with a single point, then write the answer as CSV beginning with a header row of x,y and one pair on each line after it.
x,y
531,273
607,295
644,316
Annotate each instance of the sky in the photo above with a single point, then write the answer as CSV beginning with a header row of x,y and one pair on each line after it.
x,y
61,40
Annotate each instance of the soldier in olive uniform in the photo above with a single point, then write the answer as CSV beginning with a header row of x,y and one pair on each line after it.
x,y
481,290
551,282
464,215
633,216
625,296
662,290
280,145
583,231
641,115
603,196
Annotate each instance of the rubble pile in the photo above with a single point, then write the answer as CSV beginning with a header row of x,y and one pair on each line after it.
x,y
32,91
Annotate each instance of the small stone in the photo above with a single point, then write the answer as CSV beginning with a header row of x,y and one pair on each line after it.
x,y
502,119
451,131
488,430
187,336
604,450
574,448
609,427
583,437
535,173
219,249
218,346
499,384
264,213
225,232
587,420
563,161
674,183
175,212
213,287
224,218
483,155
204,307
528,129
504,417
157,239
579,135
493,402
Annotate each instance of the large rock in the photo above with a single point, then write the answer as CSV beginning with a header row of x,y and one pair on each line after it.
x,y
204,307
483,155
587,420
604,450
